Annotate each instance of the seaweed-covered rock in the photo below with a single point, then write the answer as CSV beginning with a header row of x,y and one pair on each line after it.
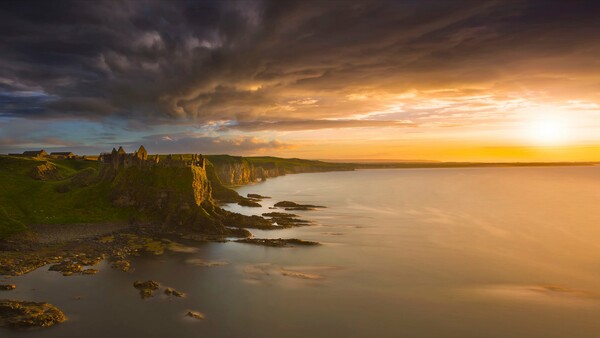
x,y
146,288
19,314
123,265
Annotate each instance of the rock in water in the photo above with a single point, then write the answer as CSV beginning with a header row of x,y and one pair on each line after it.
x,y
7,287
122,265
287,205
17,314
146,288
249,203
173,292
195,315
68,268
277,242
257,196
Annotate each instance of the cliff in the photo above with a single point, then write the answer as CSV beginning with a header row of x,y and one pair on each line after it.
x,y
175,196
166,190
237,170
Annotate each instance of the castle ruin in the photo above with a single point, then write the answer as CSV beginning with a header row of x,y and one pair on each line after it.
x,y
120,159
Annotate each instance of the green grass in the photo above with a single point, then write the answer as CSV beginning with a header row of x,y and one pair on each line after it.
x,y
24,200
284,165
294,164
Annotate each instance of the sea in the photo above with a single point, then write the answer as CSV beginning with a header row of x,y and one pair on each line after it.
x,y
464,252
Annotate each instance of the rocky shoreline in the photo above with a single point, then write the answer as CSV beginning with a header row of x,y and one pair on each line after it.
x,y
69,250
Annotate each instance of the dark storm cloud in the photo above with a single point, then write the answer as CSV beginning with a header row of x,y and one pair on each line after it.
x,y
174,143
255,64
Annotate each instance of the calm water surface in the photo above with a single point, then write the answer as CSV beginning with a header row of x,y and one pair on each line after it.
x,y
493,252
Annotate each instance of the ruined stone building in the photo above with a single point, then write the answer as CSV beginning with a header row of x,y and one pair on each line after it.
x,y
120,159
32,153
62,154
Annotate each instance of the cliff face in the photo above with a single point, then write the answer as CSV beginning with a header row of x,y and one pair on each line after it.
x,y
174,195
236,170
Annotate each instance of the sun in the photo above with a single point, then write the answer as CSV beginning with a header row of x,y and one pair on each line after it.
x,y
548,131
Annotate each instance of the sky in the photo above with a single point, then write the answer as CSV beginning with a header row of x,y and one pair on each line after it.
x,y
362,80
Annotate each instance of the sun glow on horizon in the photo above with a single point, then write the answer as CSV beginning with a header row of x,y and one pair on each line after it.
x,y
548,131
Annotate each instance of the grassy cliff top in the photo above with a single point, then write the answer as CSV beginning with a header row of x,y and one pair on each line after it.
x,y
67,193
270,162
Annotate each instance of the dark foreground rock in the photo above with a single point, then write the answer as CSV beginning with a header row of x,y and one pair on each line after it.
x,y
257,196
279,214
285,220
258,222
17,314
146,288
7,287
231,219
287,205
277,242
249,203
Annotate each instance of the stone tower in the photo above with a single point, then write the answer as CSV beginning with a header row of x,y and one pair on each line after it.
x,y
142,154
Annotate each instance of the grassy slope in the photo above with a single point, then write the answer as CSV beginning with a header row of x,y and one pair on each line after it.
x,y
24,200
291,164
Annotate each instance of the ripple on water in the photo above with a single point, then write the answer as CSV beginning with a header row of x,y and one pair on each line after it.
x,y
546,294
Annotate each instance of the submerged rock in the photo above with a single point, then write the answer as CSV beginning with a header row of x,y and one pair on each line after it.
x,y
195,315
146,288
89,271
173,292
19,314
203,263
277,242
7,287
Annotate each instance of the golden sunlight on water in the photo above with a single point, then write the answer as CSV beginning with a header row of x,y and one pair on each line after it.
x,y
488,252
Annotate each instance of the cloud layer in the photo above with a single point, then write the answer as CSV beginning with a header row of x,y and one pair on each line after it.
x,y
257,66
